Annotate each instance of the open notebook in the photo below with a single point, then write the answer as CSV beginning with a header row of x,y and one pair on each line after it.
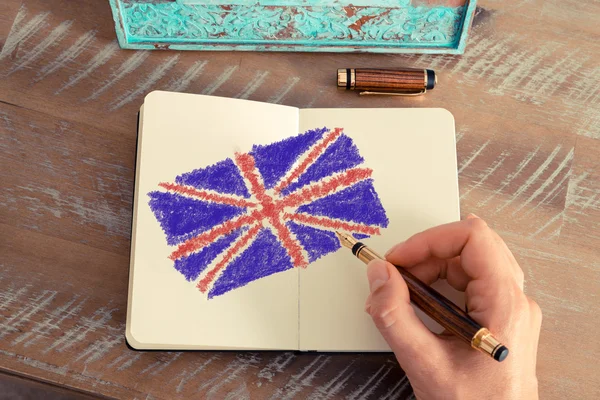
x,y
236,204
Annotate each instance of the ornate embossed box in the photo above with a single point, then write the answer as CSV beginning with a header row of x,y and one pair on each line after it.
x,y
382,26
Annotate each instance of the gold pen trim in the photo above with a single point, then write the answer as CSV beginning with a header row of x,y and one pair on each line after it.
x,y
484,341
393,94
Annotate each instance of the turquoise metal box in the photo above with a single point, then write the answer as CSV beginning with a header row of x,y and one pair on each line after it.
x,y
378,26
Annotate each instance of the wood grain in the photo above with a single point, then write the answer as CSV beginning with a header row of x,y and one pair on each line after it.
x,y
390,81
526,100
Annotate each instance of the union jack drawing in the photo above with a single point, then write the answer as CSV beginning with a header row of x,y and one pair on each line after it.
x,y
266,211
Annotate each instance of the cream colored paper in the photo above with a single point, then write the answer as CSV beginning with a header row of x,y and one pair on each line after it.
x,y
181,133
413,156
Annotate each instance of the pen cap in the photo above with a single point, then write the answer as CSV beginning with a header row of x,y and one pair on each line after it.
x,y
400,81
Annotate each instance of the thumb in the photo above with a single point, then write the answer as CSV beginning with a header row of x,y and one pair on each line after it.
x,y
389,306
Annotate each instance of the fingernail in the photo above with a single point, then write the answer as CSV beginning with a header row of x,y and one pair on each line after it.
x,y
471,216
393,248
377,273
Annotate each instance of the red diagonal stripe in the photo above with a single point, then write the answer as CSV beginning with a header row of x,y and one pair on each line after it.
x,y
205,238
269,210
291,245
204,195
310,158
229,255
333,224
325,187
246,164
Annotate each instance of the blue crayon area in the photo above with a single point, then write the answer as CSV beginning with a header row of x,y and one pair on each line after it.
x,y
223,177
264,257
316,242
182,218
359,236
192,266
358,203
339,156
274,160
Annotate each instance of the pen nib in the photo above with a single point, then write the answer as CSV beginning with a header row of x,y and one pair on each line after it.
x,y
346,240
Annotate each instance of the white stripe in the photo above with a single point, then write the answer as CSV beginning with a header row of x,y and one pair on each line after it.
x,y
335,220
287,87
67,56
253,85
266,223
368,385
480,46
512,176
79,332
53,321
489,173
187,377
532,178
224,77
20,35
395,390
124,69
11,295
548,181
517,66
304,156
219,257
314,98
17,21
161,364
325,180
52,39
333,386
547,224
192,73
97,61
548,81
33,307
147,84
209,192
297,384
278,364
473,156
555,189
496,52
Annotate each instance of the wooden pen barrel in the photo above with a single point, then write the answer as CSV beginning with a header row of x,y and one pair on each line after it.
x,y
439,308
392,81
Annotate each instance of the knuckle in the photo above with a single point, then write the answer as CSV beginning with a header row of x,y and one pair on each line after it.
x,y
478,225
520,275
535,309
383,316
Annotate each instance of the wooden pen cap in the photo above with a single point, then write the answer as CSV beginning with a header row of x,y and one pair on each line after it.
x,y
406,81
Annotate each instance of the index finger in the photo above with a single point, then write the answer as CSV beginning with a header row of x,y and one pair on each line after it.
x,y
481,254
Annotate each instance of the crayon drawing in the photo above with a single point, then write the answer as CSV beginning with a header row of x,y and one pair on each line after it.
x,y
267,211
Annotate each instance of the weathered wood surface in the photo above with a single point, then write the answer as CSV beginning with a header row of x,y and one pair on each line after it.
x,y
526,98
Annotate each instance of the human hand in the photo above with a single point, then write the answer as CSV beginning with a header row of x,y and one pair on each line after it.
x,y
473,259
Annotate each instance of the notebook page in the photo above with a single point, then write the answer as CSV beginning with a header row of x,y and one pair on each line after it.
x,y
187,292
413,186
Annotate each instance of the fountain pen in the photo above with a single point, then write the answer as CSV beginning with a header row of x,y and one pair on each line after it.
x,y
435,305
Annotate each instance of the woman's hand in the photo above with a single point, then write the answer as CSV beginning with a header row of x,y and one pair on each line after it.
x,y
473,259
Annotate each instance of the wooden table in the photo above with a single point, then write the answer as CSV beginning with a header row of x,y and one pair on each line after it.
x,y
526,98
